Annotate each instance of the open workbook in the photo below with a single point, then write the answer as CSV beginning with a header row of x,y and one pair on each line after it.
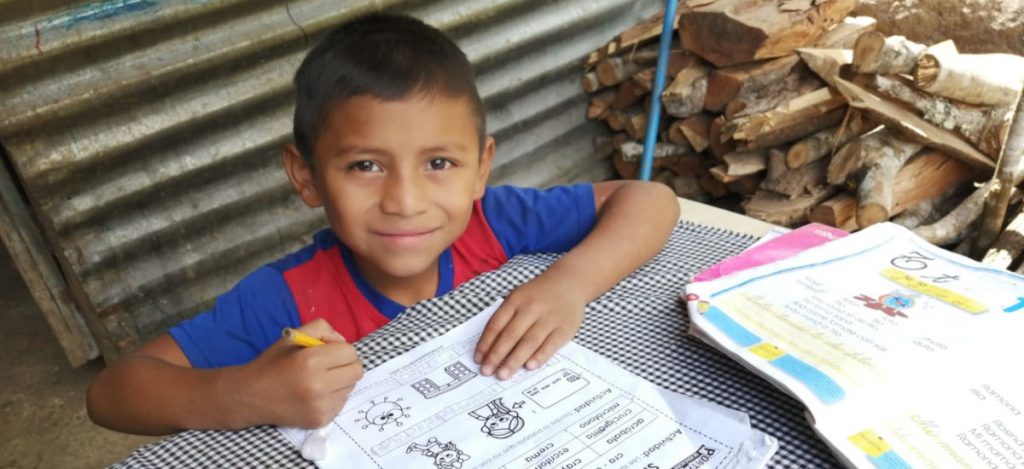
x,y
906,355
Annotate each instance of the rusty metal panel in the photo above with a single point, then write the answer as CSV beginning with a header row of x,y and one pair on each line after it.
x,y
146,133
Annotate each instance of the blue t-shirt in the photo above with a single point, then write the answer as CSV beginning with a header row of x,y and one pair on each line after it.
x,y
321,281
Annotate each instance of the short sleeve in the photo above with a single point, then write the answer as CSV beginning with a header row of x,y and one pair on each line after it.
x,y
244,322
526,220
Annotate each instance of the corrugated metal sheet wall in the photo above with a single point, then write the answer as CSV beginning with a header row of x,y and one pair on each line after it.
x,y
146,133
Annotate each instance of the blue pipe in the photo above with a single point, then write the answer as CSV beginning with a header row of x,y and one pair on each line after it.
x,y
647,161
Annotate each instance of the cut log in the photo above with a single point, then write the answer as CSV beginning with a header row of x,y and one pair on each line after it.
x,y
1009,172
912,126
1008,245
988,79
628,93
745,186
824,142
776,164
782,210
627,163
616,120
635,124
727,32
746,80
675,133
854,158
599,105
791,87
923,212
633,152
984,126
689,164
678,60
697,130
720,143
796,182
687,187
875,53
589,82
742,163
615,70
929,175
874,192
845,34
685,96
954,226
825,63
792,120
721,173
713,186
839,212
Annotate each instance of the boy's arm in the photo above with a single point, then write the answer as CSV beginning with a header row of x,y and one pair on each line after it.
x,y
634,220
155,391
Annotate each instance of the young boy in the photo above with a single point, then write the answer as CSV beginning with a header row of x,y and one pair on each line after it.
x,y
390,140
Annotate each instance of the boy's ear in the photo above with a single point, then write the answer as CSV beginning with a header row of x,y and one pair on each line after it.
x,y
300,174
486,159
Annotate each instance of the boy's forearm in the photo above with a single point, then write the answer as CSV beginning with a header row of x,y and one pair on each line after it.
x,y
632,226
147,395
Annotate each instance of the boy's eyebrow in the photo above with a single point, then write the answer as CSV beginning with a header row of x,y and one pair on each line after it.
x,y
445,148
361,150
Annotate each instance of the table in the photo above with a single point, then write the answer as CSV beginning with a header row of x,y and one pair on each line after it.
x,y
640,324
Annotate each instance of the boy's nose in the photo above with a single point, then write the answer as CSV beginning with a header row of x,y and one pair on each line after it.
x,y
404,195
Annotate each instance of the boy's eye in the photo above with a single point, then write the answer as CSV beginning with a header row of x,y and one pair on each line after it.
x,y
365,166
437,164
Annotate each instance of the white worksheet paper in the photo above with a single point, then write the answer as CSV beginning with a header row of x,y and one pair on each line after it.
x,y
430,408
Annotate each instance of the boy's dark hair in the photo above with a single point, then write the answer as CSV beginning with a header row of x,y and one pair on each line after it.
x,y
384,56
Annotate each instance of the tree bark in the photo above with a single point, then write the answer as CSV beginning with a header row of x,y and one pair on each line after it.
x,y
984,126
875,53
797,182
912,126
987,79
1008,175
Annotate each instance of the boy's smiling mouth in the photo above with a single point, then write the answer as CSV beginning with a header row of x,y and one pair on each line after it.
x,y
405,237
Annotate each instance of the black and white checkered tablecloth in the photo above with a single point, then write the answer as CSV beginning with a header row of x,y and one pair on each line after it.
x,y
639,324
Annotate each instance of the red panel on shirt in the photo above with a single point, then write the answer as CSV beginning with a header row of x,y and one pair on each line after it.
x,y
477,250
323,288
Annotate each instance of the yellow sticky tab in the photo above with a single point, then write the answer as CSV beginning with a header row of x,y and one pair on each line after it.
x,y
766,351
870,443
948,296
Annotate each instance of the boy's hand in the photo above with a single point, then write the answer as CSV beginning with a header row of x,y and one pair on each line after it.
x,y
300,387
536,320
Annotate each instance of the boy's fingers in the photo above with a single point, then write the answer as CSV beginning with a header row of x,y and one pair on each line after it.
x,y
507,339
321,329
494,326
523,350
551,345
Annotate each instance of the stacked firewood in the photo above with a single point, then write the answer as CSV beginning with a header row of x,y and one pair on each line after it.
x,y
810,115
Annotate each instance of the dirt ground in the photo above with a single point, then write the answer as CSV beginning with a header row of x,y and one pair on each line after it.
x,y
42,399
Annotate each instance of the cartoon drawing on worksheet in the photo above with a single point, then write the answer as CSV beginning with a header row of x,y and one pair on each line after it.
x,y
498,420
382,413
458,373
446,456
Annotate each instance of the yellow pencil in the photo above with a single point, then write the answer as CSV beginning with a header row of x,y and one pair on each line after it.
x,y
299,338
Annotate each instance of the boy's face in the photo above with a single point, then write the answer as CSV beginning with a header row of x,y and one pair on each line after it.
x,y
397,180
